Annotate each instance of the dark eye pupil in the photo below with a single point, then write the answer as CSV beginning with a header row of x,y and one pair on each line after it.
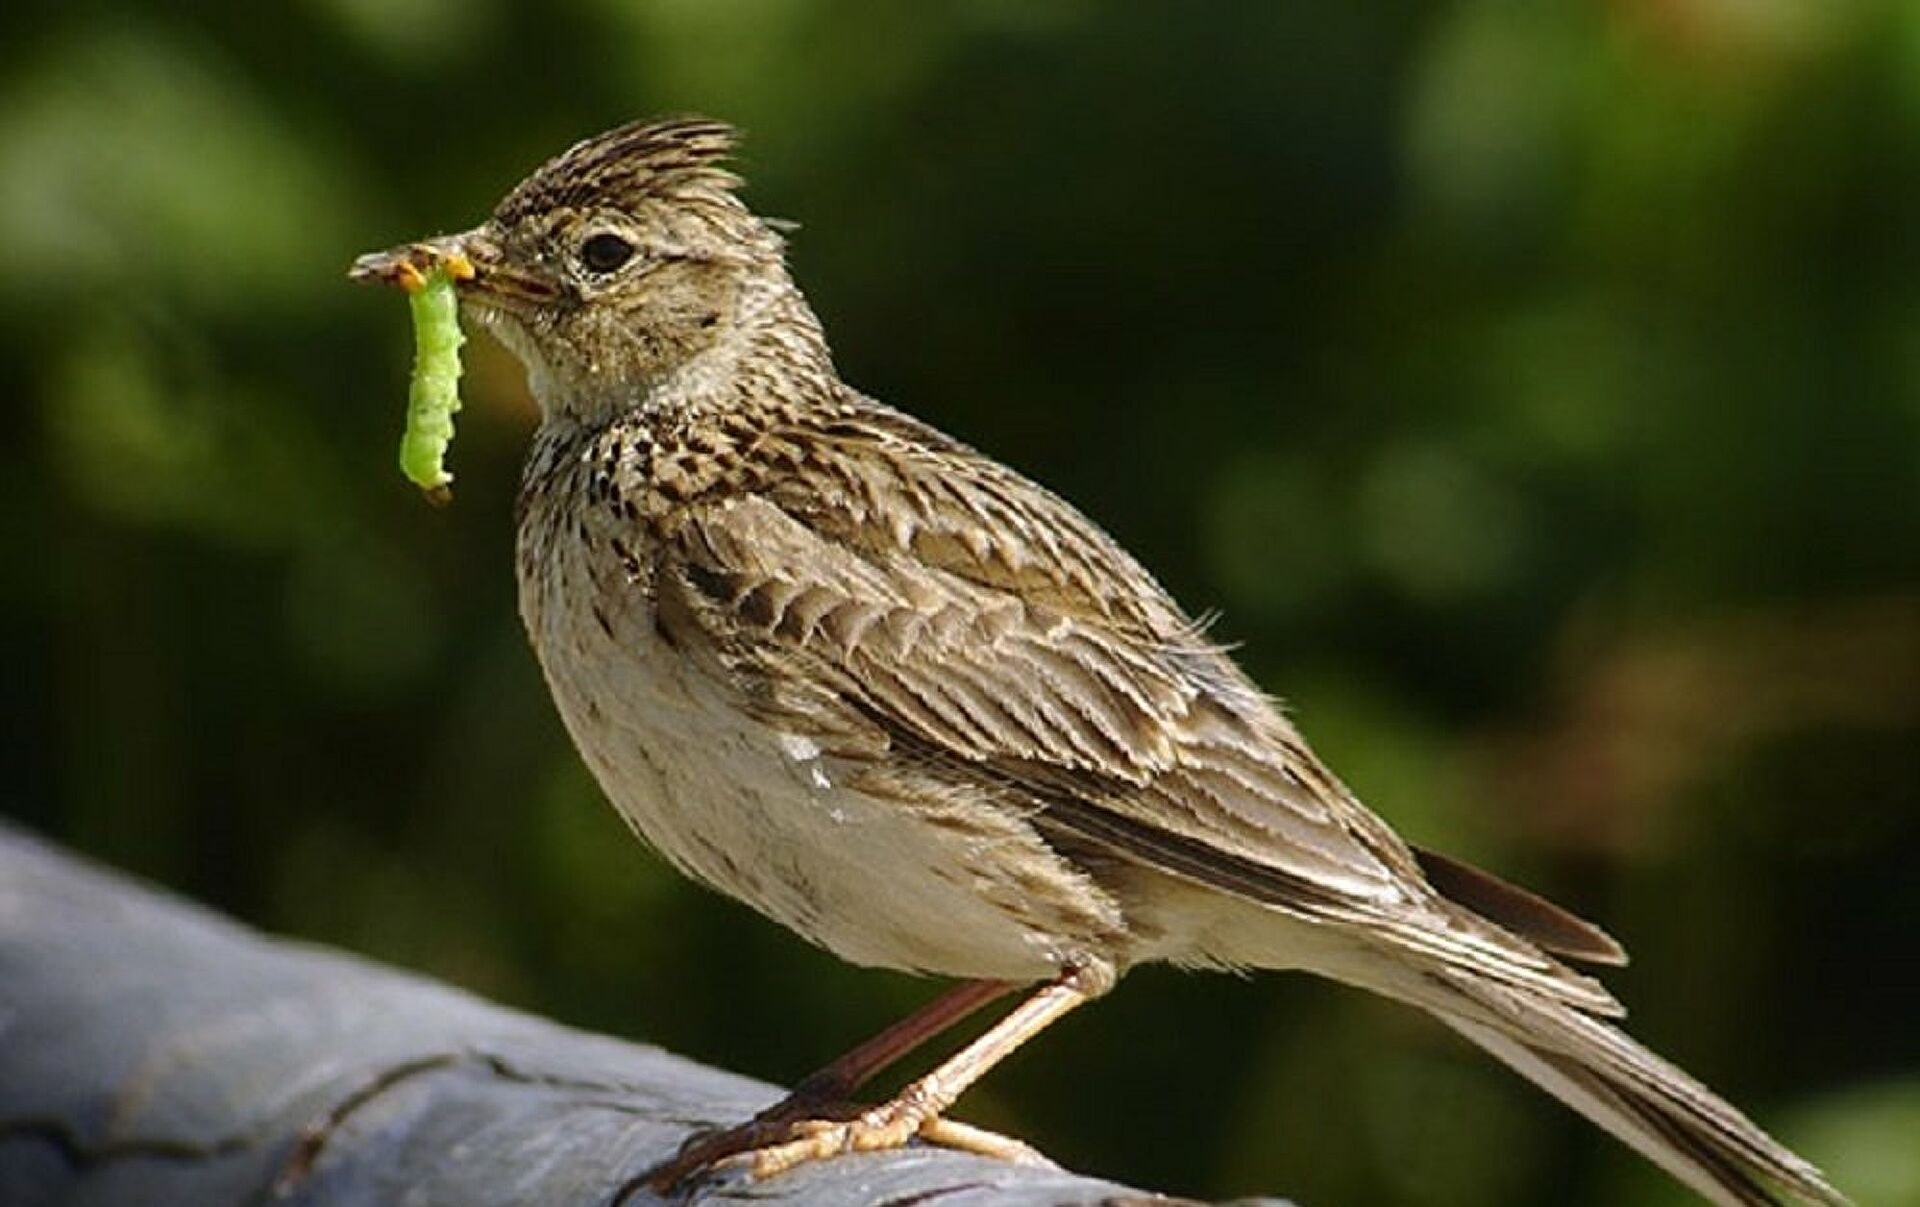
x,y
604,252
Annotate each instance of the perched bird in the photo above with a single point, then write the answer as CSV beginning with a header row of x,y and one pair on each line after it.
x,y
911,705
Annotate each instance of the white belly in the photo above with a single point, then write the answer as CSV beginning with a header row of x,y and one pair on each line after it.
x,y
757,814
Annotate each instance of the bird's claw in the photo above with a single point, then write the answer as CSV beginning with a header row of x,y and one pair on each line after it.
x,y
876,1130
778,1139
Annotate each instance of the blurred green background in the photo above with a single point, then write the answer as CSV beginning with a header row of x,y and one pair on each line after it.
x,y
1535,386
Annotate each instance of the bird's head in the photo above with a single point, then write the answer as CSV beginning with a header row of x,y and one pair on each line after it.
x,y
625,268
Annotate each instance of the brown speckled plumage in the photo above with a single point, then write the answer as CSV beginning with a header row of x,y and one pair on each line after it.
x,y
922,711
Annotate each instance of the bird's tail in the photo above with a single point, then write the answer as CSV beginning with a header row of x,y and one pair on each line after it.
x,y
1600,1071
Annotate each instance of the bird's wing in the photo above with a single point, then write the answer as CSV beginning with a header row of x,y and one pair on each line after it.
x,y
892,591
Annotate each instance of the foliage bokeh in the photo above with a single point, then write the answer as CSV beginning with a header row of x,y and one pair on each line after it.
x,y
1535,388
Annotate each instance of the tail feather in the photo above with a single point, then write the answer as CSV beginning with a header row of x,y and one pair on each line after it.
x,y
1649,1104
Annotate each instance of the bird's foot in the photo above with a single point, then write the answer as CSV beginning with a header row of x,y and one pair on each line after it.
x,y
884,1127
966,1138
796,1131
775,1125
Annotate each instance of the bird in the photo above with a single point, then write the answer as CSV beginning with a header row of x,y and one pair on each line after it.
x,y
899,698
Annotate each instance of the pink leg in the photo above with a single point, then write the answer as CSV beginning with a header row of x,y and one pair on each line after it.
x,y
777,1141
826,1090
857,1067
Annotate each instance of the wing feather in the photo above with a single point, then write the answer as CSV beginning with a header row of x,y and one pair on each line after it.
x,y
900,587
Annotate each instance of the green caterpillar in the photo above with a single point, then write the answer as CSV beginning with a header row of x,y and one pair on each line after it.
x,y
433,394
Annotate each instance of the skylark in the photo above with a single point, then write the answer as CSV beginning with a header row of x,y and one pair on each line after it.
x,y
916,708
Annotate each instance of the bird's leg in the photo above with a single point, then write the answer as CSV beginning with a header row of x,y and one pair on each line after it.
x,y
855,1068
916,1109
824,1092
777,1146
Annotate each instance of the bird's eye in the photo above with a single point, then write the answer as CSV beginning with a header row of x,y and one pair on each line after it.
x,y
605,252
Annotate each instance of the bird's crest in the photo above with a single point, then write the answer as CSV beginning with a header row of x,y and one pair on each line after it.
x,y
672,158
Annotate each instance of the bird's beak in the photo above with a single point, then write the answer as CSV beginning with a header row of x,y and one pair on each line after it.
x,y
464,257
474,260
